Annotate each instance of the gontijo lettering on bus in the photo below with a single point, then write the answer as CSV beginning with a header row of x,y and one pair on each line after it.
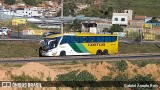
x,y
96,44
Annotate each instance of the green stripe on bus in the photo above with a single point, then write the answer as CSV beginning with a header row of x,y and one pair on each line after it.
x,y
75,48
82,48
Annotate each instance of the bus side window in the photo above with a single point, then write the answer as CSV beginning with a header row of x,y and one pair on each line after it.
x,y
89,39
94,39
114,38
58,38
72,39
56,43
107,39
67,39
76,39
100,39
80,39
62,41
84,39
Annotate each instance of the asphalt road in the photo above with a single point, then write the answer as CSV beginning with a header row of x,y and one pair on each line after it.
x,y
14,35
83,58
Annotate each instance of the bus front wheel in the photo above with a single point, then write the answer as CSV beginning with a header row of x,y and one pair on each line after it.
x,y
62,53
99,52
40,52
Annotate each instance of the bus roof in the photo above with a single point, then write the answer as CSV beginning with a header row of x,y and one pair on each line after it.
x,y
54,35
79,34
92,34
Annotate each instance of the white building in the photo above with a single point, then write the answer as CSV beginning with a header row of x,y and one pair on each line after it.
x,y
29,12
122,18
95,26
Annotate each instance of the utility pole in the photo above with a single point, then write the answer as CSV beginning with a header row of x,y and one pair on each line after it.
x,y
61,16
141,35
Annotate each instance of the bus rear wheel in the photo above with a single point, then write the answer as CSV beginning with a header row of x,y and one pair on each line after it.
x,y
62,53
105,52
99,52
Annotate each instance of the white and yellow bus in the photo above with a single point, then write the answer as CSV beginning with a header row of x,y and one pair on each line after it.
x,y
79,44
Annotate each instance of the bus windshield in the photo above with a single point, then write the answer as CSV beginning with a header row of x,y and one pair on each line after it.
x,y
50,43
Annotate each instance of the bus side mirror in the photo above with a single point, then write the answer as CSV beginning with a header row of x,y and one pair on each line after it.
x,y
42,43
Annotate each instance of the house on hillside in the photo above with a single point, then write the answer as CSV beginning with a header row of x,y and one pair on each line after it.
x,y
122,18
137,17
29,11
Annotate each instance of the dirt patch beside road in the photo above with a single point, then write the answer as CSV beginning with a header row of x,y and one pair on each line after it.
x,y
97,69
37,70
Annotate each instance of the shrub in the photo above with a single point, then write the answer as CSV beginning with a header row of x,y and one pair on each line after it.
x,y
106,78
119,81
121,77
71,76
74,62
68,79
85,76
142,64
73,79
115,28
122,65
143,80
157,36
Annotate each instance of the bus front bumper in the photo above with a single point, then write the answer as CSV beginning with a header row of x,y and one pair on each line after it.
x,y
47,53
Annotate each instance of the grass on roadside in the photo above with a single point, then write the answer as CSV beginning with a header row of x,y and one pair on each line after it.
x,y
30,49
137,48
18,49
12,65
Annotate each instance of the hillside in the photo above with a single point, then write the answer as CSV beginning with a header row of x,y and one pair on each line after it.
x,y
140,7
105,8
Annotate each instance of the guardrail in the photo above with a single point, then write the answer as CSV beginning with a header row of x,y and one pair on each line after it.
x,y
154,42
93,57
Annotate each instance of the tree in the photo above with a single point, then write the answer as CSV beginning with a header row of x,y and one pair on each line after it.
x,y
69,8
115,28
32,2
106,11
75,26
10,2
92,11
102,11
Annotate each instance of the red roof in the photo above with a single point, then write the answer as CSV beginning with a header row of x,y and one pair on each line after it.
x,y
140,17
